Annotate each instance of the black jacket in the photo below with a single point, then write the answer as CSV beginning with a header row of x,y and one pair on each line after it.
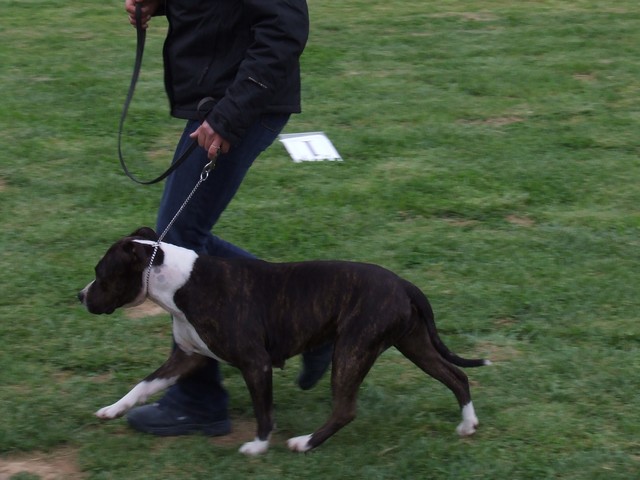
x,y
243,53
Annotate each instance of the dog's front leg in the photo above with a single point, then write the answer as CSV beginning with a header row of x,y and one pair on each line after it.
x,y
259,382
178,364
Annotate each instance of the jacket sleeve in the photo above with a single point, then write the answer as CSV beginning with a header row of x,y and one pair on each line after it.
x,y
280,32
161,10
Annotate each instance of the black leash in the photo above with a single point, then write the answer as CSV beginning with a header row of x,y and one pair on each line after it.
x,y
204,107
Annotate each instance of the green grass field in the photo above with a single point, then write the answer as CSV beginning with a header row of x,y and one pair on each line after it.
x,y
491,156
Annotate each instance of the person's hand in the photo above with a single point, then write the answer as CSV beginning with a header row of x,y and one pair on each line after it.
x,y
211,141
149,7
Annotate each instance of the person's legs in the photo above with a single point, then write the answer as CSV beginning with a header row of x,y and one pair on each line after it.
x,y
314,365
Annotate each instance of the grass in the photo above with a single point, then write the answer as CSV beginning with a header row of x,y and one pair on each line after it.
x,y
491,157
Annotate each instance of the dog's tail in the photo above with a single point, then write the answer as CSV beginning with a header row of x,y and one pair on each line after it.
x,y
425,312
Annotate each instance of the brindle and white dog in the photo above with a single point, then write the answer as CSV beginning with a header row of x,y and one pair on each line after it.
x,y
254,315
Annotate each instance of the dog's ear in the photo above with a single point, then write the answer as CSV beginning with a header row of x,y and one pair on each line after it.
x,y
146,233
140,254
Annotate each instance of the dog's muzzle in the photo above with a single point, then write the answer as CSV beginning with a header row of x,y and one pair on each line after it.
x,y
82,294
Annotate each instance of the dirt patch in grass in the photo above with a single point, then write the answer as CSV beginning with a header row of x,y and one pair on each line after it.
x,y
59,464
521,221
461,222
585,77
472,16
147,309
244,430
493,121
498,353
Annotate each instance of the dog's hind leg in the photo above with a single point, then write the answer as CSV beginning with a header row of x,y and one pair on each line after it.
x,y
417,347
177,365
350,366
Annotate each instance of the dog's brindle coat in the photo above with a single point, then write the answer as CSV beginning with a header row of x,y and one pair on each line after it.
x,y
254,315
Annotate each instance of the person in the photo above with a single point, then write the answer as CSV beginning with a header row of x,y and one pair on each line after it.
x,y
245,56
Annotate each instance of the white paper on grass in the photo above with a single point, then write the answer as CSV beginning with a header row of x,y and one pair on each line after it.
x,y
309,147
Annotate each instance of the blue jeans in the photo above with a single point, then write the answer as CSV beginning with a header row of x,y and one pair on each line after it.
x,y
202,392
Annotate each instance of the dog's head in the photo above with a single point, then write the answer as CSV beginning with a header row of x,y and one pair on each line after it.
x,y
120,279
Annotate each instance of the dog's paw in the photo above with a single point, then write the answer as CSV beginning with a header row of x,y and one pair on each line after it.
x,y
257,447
110,412
466,428
469,421
299,444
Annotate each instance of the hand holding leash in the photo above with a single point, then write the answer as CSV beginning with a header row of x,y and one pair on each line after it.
x,y
147,9
210,140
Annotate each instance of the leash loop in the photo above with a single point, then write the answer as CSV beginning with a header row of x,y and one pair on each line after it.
x,y
207,169
204,107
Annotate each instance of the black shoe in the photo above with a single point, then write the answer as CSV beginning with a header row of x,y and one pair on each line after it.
x,y
165,421
314,365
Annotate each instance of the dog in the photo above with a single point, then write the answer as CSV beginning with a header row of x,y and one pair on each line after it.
x,y
254,315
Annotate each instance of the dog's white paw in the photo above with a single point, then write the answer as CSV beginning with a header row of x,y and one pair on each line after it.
x,y
111,412
469,421
257,447
466,429
299,444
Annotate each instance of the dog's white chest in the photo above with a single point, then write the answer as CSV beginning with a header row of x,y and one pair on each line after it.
x,y
188,339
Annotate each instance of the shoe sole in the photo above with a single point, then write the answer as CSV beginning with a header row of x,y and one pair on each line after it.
x,y
213,429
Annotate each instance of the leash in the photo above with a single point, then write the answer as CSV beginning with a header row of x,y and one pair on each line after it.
x,y
204,107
